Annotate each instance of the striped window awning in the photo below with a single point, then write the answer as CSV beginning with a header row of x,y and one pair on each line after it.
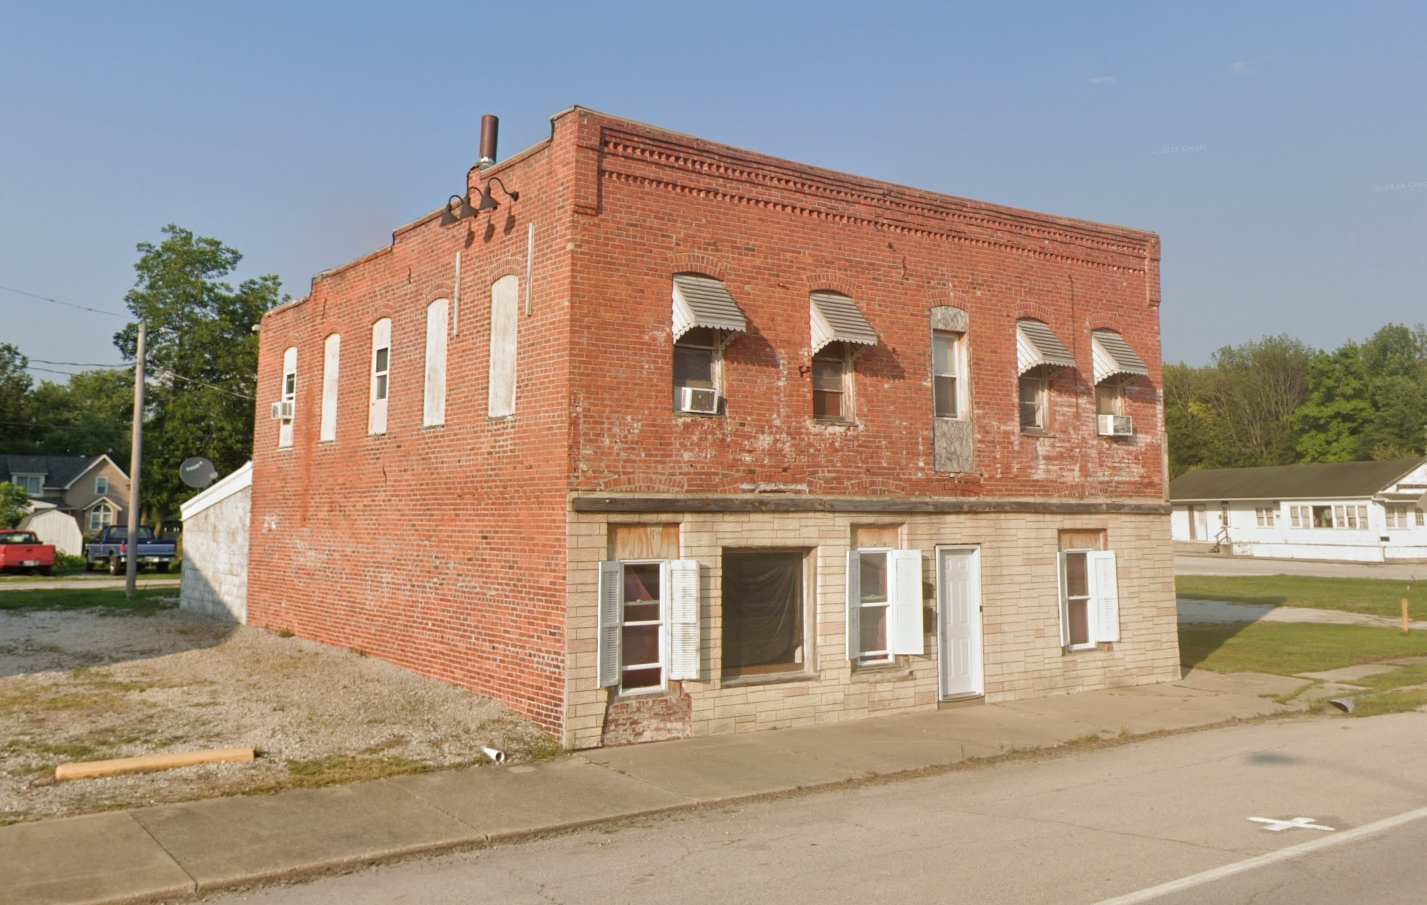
x,y
701,301
1113,356
1037,345
836,318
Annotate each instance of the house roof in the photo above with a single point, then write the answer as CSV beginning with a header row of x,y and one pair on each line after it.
x,y
1333,480
59,471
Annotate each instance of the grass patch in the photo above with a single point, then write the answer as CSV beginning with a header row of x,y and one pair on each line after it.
x,y
1389,702
1401,677
1286,648
146,600
1373,596
338,769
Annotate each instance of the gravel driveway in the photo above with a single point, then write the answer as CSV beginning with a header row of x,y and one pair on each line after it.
x,y
95,684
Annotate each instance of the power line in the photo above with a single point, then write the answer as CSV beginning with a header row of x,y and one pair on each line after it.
x,y
81,364
45,298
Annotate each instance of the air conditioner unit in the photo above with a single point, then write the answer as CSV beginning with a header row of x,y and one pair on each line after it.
x,y
1115,425
282,411
699,400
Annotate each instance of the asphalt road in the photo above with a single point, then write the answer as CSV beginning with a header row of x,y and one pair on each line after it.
x,y
1108,826
1206,564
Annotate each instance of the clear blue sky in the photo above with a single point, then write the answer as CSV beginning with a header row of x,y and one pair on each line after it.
x,y
303,133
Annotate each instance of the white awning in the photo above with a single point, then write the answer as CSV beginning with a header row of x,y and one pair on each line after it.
x,y
836,318
1037,345
701,301
1114,356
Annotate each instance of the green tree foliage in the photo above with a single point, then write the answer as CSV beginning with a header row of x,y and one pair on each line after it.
x,y
202,355
14,505
89,415
16,422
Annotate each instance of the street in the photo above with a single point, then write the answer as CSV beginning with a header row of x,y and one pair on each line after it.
x,y
1209,564
1091,827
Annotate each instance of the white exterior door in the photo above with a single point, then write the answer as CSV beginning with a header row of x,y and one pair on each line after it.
x,y
959,620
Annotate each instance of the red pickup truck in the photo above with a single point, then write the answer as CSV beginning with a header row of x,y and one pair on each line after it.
x,y
23,551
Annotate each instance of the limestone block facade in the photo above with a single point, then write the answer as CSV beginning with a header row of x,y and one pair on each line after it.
x,y
216,527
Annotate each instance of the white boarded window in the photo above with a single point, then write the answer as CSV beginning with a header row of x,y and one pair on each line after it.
x,y
884,604
331,357
289,396
433,410
505,293
381,376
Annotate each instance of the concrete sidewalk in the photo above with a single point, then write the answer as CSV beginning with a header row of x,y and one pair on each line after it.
x,y
148,854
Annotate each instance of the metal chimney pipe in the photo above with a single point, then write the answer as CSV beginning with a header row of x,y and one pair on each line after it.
x,y
490,125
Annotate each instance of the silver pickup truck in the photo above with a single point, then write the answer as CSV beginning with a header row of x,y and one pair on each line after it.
x,y
111,549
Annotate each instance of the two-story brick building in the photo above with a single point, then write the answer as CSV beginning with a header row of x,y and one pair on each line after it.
x,y
650,437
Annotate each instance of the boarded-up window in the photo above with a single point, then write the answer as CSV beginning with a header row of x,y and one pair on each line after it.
x,y
381,375
505,294
331,356
289,396
433,410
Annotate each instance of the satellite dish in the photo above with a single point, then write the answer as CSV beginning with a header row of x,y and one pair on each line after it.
x,y
197,472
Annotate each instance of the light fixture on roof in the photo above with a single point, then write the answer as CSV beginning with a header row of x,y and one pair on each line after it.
x,y
488,203
454,213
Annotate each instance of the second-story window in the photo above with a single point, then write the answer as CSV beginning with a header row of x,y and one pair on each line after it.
x,y
1035,396
101,485
331,361
705,319
1114,364
433,410
946,373
381,376
1039,354
832,384
505,298
289,397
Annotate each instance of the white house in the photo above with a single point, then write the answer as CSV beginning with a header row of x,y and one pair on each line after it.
x,y
1357,511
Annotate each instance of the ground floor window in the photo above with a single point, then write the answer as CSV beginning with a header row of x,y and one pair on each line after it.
x,y
762,611
1266,516
884,604
1089,591
1401,515
100,517
648,624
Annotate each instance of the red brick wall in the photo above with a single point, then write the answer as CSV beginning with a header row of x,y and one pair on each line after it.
x,y
439,549
774,232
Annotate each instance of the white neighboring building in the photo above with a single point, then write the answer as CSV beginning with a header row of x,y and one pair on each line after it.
x,y
1355,511
215,549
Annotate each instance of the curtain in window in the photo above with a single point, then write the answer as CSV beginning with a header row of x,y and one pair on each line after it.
x,y
762,608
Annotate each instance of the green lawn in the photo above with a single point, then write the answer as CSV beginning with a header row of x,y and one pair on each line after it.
x,y
146,600
1287,648
1354,595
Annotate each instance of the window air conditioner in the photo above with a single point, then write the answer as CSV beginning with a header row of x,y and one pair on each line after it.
x,y
1115,425
282,411
698,399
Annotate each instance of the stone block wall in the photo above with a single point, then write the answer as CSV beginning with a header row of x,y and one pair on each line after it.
x,y
215,559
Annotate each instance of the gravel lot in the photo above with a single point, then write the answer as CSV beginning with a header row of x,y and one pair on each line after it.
x,y
94,684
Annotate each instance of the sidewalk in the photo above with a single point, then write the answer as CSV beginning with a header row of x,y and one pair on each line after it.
x,y
94,581
148,854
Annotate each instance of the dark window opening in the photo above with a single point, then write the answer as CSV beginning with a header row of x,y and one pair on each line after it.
x,y
762,612
831,400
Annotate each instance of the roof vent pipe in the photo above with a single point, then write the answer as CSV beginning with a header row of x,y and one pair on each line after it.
x,y
489,127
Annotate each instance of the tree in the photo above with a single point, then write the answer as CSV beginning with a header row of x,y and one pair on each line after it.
x,y
202,355
16,423
1369,400
89,415
14,505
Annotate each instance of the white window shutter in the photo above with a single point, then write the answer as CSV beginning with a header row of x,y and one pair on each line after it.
x,y
854,604
1105,593
611,574
433,409
683,596
904,593
1062,606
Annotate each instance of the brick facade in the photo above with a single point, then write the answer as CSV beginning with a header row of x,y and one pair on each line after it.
x,y
468,551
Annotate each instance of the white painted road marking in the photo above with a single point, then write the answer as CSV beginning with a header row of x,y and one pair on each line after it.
x,y
1297,823
1284,854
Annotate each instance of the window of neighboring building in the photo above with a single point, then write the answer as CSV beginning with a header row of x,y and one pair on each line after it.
x,y
289,396
1400,515
331,380
1354,518
100,517
832,383
698,366
1035,398
946,373
762,612
32,484
381,376
648,624
505,297
101,485
1266,515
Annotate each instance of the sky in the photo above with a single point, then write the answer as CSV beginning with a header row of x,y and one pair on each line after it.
x,y
1277,148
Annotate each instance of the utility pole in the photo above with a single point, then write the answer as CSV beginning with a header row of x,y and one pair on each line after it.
x,y
131,561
